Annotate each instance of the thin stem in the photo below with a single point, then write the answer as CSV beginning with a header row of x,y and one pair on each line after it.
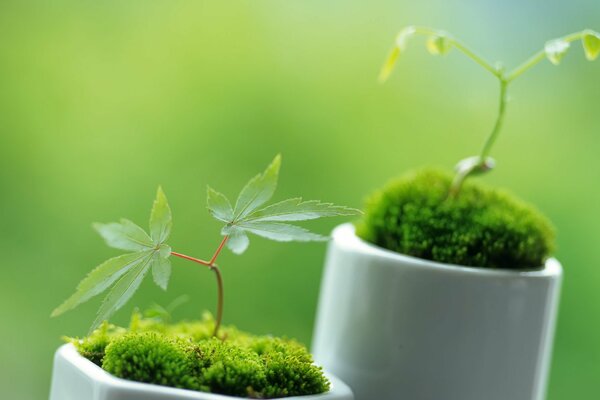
x,y
532,61
487,147
218,251
213,267
540,56
219,317
196,260
422,30
479,60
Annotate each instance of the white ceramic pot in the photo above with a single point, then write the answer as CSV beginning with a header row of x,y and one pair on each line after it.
x,y
399,327
76,378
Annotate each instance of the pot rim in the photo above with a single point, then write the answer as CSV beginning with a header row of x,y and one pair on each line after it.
x,y
345,237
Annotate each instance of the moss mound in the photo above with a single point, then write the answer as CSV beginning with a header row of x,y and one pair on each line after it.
x,y
481,227
184,355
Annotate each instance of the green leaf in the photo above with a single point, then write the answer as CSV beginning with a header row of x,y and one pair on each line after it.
x,y
556,50
160,218
298,210
238,240
389,64
258,190
439,45
100,278
161,270
591,44
122,291
124,235
219,206
280,232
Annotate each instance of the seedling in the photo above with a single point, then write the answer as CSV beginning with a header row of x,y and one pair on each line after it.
x,y
440,43
124,274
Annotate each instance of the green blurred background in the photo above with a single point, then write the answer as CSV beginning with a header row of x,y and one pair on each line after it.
x,y
102,101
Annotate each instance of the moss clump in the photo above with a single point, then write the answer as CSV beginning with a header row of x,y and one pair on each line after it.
x,y
184,355
480,227
93,347
153,358
230,369
290,370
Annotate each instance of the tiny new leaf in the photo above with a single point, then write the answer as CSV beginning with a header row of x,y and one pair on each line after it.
x,y
556,50
399,47
126,272
439,45
268,222
591,44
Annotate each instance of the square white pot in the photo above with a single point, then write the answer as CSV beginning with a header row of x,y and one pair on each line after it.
x,y
76,378
399,327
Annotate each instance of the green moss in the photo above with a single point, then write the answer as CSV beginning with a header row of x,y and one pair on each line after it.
x,y
481,227
290,370
230,369
153,358
184,355
93,347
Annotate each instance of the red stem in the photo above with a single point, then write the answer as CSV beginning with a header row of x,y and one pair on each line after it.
x,y
218,251
197,260
213,267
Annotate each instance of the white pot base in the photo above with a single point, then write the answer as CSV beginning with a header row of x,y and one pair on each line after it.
x,y
399,327
76,378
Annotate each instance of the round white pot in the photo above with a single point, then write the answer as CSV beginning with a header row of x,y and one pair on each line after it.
x,y
399,327
76,378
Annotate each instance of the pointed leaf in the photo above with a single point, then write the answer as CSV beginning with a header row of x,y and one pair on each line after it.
x,y
161,270
124,235
591,44
390,62
219,206
160,218
556,50
238,240
258,190
122,291
439,45
281,232
100,278
297,210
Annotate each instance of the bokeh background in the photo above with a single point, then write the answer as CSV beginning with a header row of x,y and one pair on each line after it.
x,y
102,101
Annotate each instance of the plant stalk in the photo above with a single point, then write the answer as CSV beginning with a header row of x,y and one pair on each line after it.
x,y
215,268
504,79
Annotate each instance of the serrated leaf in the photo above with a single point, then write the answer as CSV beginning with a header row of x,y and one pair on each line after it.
x,y
238,240
591,44
439,45
281,232
122,291
556,50
100,278
258,190
389,64
219,206
298,210
160,218
124,235
161,270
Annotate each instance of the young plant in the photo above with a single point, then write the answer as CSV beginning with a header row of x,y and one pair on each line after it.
x,y
149,251
440,43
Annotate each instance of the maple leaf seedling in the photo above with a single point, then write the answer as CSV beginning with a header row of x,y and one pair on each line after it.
x,y
149,251
440,43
